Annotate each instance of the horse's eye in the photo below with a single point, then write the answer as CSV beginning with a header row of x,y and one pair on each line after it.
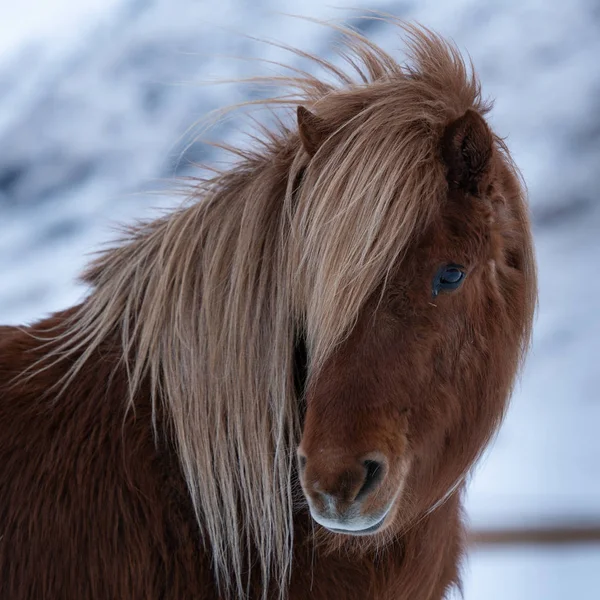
x,y
449,277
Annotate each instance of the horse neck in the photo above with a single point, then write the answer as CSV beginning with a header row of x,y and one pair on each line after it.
x,y
417,564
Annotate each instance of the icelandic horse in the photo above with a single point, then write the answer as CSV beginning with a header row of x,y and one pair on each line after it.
x,y
277,390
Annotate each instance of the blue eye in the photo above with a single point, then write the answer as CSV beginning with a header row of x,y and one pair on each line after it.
x,y
449,277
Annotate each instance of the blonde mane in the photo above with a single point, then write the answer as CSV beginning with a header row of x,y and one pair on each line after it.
x,y
208,300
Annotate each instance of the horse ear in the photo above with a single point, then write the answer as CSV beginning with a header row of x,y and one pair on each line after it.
x,y
313,130
467,151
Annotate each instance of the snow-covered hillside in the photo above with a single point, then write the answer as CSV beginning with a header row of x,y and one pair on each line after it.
x,y
96,102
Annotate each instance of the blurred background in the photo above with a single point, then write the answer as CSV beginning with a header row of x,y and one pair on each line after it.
x,y
97,98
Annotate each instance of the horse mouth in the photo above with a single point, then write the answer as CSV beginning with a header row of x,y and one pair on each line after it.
x,y
366,531
370,529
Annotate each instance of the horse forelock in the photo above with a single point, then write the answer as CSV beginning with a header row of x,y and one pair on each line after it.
x,y
208,300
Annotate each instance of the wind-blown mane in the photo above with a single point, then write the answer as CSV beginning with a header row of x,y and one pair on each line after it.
x,y
209,300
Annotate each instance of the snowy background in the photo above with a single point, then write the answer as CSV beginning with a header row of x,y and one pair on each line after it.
x,y
96,101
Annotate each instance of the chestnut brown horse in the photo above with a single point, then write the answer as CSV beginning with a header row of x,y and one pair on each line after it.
x,y
278,390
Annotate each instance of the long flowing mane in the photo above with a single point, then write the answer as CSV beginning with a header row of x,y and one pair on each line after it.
x,y
209,300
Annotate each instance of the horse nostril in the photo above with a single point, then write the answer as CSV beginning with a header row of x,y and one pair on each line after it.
x,y
374,476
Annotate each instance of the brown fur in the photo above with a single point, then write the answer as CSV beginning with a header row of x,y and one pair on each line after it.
x,y
148,436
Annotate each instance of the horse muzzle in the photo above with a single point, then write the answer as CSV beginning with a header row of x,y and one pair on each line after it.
x,y
347,495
